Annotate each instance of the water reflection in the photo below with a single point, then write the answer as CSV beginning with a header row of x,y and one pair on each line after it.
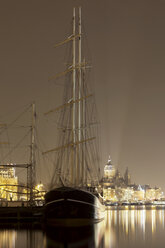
x,y
134,227
18,238
70,237
7,238
125,227
82,236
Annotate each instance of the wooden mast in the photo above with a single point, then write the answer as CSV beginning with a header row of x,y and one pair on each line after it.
x,y
73,164
32,162
79,155
76,161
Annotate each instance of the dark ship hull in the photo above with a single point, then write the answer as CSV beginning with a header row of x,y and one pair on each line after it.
x,y
69,206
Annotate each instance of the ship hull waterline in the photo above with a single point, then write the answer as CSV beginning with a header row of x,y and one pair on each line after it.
x,y
67,206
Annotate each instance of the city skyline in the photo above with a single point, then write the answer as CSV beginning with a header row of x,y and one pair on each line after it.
x,y
120,189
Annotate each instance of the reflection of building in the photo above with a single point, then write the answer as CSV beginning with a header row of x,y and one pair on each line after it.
x,y
8,184
8,238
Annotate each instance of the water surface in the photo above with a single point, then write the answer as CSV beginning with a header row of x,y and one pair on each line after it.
x,y
124,227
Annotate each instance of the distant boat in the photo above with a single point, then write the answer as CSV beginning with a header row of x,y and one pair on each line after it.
x,y
70,201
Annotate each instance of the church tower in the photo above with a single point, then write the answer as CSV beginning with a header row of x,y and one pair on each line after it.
x,y
127,177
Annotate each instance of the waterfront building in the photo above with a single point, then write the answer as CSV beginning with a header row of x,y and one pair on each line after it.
x,y
39,192
152,194
115,187
139,194
8,184
119,189
124,194
109,194
11,190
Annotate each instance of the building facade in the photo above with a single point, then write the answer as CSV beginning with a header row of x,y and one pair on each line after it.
x,y
118,189
8,184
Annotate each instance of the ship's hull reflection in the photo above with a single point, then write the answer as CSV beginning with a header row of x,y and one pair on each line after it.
x,y
80,236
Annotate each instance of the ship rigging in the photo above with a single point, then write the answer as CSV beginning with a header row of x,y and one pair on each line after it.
x,y
76,166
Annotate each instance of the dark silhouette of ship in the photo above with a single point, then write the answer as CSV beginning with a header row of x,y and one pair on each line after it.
x,y
69,201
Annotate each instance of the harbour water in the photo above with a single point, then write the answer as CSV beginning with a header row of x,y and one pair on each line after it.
x,y
127,226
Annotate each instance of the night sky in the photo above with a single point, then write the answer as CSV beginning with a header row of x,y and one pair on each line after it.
x,y
126,40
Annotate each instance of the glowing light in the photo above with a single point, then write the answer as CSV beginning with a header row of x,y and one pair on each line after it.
x,y
153,220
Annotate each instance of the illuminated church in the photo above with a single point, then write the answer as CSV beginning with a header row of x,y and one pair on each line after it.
x,y
115,187
118,189
113,178
109,170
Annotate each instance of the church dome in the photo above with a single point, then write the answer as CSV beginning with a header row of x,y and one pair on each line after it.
x,y
109,169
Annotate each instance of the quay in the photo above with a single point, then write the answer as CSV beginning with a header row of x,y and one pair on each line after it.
x,y
11,212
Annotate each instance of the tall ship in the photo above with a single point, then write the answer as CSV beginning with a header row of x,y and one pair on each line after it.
x,y
73,198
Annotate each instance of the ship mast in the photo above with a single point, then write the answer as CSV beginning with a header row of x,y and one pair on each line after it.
x,y
77,104
32,159
79,156
73,164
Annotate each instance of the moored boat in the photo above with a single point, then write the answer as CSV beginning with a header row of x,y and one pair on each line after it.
x,y
68,202
71,206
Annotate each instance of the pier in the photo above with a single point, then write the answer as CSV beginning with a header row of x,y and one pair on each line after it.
x,y
22,214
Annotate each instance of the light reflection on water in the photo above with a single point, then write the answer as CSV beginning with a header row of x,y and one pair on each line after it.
x,y
135,227
125,227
